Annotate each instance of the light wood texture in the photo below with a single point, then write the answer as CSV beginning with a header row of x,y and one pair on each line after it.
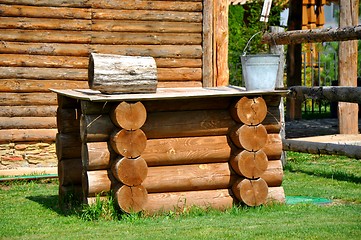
x,y
276,195
273,148
27,99
111,73
173,151
179,201
68,146
130,144
347,67
274,174
70,172
36,86
130,172
251,192
189,177
27,135
95,128
249,111
250,138
129,116
207,58
97,182
131,199
27,122
249,164
97,155
187,123
28,111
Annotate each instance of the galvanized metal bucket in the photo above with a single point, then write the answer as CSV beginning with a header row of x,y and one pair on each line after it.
x,y
260,71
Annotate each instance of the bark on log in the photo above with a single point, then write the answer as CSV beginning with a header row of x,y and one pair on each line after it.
x,y
250,138
131,199
351,151
250,164
68,120
313,35
249,111
70,172
27,122
110,73
130,144
96,128
173,151
130,172
27,135
98,182
97,155
28,111
179,201
274,174
251,192
68,146
129,116
189,177
187,123
333,94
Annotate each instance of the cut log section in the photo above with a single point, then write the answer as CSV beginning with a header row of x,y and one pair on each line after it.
x,y
250,164
249,111
129,116
131,199
251,138
96,155
251,192
110,73
130,172
97,182
178,201
130,144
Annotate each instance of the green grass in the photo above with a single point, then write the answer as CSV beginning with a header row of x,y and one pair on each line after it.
x,y
29,210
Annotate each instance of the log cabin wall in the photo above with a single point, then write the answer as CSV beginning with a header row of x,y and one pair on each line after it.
x,y
46,44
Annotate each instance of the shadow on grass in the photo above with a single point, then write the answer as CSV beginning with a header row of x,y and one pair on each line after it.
x,y
51,202
336,175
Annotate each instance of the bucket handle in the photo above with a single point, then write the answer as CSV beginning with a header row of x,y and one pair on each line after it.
x,y
245,49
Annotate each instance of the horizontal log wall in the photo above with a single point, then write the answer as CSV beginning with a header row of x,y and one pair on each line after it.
x,y
46,44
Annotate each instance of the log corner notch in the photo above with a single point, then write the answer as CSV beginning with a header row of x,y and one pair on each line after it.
x,y
111,74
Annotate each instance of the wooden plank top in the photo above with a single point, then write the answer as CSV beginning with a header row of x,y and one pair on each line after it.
x,y
164,93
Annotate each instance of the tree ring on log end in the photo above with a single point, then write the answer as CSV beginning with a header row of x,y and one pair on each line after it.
x,y
131,199
252,192
249,111
252,138
130,172
130,144
130,116
250,164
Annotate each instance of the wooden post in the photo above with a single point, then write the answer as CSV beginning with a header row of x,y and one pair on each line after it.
x,y
347,67
294,59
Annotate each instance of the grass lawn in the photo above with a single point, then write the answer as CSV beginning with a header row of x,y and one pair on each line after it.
x,y
29,210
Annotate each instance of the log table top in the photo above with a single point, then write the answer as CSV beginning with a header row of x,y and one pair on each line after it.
x,y
165,93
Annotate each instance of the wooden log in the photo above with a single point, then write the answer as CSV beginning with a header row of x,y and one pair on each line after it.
x,y
351,151
27,99
130,172
68,120
249,111
48,24
110,73
68,146
27,122
65,102
131,199
95,108
70,196
130,144
179,84
251,192
180,201
44,12
179,74
147,15
98,182
273,148
187,123
36,86
274,174
97,155
95,128
208,58
173,151
55,3
189,177
313,35
249,164
28,111
129,116
70,172
250,138
27,135
43,73
178,63
276,195
332,94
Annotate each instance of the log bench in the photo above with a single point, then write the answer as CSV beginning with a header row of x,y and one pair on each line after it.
x,y
164,151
